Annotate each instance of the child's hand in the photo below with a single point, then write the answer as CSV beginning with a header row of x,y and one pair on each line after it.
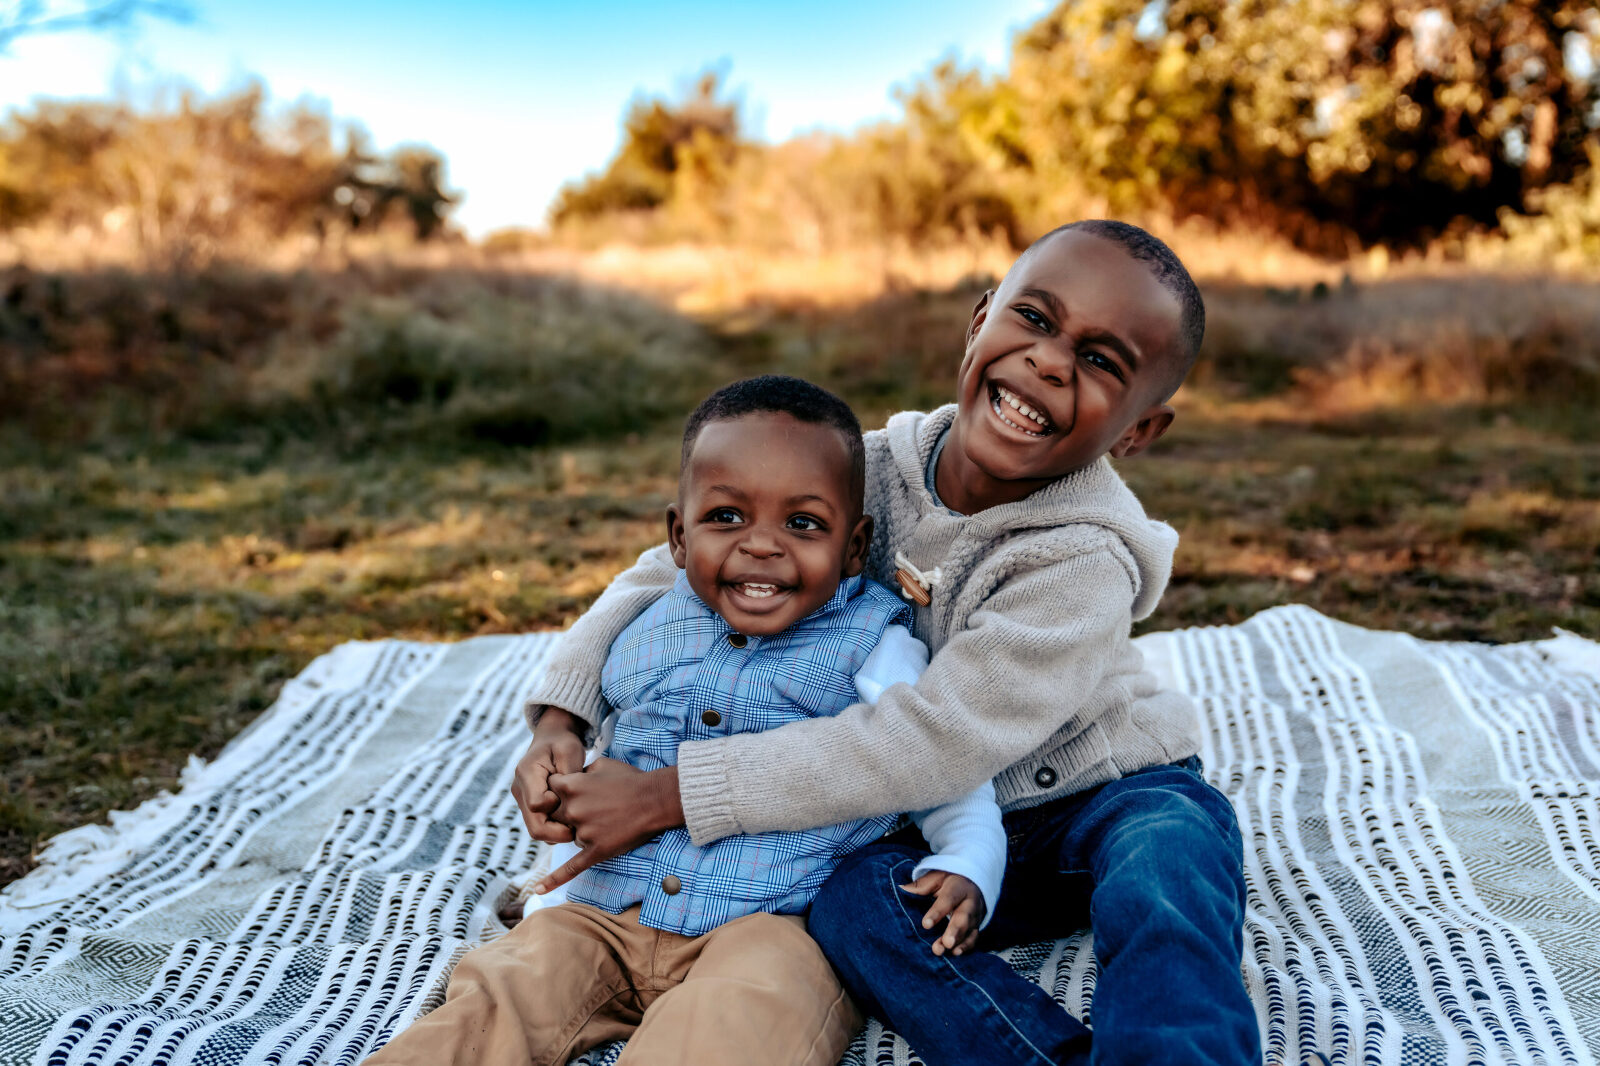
x,y
959,899
556,749
612,808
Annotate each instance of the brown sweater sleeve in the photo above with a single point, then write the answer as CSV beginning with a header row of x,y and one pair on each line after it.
x,y
571,681
1016,676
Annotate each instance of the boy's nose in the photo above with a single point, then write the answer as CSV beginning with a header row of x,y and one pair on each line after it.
x,y
1053,368
759,544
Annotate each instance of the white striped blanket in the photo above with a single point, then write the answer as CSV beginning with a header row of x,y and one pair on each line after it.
x,y
1420,846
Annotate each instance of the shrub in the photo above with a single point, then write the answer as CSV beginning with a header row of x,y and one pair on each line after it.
x,y
545,361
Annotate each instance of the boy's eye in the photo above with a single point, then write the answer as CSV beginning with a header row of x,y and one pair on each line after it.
x,y
1034,317
1101,361
805,523
724,516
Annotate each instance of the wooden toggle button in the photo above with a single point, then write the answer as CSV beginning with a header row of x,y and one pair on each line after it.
x,y
912,588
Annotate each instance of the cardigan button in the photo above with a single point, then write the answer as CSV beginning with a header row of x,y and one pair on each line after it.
x,y
1044,777
738,640
711,718
671,885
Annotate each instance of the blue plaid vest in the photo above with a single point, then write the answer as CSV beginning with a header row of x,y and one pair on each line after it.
x,y
675,675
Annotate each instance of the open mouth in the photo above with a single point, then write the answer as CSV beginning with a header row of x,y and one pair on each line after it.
x,y
758,596
1015,412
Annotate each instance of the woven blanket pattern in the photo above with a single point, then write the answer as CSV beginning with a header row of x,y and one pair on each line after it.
x,y
1419,823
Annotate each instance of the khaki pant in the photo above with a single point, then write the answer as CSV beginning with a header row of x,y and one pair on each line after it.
x,y
567,978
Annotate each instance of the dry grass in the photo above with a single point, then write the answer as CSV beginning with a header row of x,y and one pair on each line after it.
x,y
371,352
1407,341
1417,453
1444,523
154,602
704,279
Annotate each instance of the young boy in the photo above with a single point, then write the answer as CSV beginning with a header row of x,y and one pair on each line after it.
x,y
1035,560
698,951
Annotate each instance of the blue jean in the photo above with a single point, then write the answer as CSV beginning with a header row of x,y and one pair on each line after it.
x,y
1150,862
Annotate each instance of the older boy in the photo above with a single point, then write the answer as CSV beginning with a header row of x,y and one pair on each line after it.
x,y
699,951
1043,561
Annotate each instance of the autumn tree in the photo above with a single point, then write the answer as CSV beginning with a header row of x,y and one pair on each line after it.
x,y
416,174
191,177
1334,122
947,167
673,151
1384,119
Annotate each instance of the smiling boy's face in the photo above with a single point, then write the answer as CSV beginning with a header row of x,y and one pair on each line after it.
x,y
768,520
1068,361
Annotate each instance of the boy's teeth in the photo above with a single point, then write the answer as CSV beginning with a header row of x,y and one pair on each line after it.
x,y
1015,403
758,590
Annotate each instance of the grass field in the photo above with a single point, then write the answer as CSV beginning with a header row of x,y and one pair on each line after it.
x,y
205,489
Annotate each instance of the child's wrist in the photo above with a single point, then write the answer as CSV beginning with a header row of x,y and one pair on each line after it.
x,y
554,720
663,800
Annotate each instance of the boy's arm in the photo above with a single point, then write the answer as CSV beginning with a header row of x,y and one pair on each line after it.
x,y
566,707
967,839
571,680
995,692
965,834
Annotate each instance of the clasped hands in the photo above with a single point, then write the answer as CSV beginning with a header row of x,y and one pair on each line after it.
x,y
607,808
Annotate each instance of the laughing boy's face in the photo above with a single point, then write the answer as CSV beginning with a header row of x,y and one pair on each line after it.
x,y
1068,361
768,519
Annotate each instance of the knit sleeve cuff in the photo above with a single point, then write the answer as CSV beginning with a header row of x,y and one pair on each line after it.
x,y
703,791
577,692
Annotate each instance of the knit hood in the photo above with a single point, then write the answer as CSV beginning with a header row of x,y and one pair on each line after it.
x,y
1094,495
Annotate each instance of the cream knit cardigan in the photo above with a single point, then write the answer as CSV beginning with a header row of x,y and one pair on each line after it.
x,y
1034,681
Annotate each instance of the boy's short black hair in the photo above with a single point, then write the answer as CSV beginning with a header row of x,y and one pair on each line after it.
x,y
782,394
1168,270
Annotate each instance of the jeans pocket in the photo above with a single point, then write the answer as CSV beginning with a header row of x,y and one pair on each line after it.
x,y
900,876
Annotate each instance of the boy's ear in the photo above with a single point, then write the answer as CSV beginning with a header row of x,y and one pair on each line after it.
x,y
855,552
1144,432
980,312
680,554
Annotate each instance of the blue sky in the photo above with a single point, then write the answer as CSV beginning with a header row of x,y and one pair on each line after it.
x,y
520,97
